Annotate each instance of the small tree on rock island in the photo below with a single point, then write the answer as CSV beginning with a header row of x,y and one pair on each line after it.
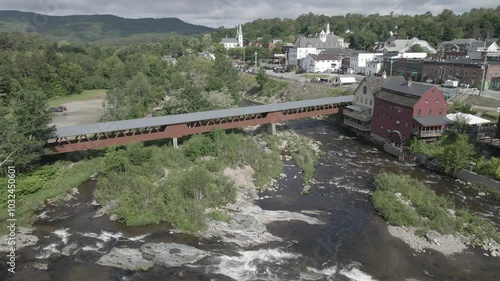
x,y
25,130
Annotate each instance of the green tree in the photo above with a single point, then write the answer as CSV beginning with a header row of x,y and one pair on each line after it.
x,y
206,43
262,78
25,131
134,100
458,154
69,78
462,107
114,69
416,48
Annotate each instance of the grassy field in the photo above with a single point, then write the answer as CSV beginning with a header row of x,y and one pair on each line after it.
x,y
312,75
490,115
482,101
85,95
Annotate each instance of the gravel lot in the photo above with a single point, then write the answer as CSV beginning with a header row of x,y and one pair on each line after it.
x,y
79,112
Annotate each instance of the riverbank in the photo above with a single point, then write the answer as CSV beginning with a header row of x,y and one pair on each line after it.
x,y
423,219
48,185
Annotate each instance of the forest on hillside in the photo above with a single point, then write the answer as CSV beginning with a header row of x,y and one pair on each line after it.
x,y
367,29
91,28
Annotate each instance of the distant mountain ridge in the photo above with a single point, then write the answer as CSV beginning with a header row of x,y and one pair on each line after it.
x,y
94,27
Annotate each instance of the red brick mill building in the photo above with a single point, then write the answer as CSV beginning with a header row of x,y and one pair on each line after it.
x,y
403,109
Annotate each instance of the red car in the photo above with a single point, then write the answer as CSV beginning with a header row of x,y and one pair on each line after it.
x,y
60,108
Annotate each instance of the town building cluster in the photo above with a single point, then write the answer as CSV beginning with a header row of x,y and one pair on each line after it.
x,y
470,62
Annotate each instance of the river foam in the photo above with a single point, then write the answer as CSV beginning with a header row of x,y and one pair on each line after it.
x,y
261,264
351,271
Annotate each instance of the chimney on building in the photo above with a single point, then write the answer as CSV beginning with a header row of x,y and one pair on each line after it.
x,y
409,82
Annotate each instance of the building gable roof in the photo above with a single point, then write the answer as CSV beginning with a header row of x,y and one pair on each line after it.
x,y
402,45
404,100
332,41
229,40
398,91
400,85
326,56
373,84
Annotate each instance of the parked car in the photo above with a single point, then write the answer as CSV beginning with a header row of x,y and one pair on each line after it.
x,y
60,108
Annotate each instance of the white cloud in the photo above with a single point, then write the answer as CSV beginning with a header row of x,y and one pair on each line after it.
x,y
216,13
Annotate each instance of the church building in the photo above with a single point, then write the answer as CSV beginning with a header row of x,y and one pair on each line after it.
x,y
237,42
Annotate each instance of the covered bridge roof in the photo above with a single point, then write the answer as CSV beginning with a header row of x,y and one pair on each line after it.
x,y
191,117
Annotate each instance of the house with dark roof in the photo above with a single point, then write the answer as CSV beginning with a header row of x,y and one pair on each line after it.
x,y
403,110
359,114
457,48
489,48
314,45
321,63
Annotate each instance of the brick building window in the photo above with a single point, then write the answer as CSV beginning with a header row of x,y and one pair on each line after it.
x,y
419,112
440,111
430,111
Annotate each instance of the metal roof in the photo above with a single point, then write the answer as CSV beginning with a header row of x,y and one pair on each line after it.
x,y
469,118
191,117
428,121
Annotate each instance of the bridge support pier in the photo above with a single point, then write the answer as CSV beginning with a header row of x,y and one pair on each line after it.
x,y
176,144
272,129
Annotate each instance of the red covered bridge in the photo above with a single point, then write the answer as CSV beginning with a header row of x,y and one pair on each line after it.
x,y
90,136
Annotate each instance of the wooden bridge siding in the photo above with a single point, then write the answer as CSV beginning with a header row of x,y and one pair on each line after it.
x,y
181,130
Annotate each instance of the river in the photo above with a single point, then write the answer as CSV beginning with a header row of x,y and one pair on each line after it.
x,y
354,244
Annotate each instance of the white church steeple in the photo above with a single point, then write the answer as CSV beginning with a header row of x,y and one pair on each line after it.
x,y
240,36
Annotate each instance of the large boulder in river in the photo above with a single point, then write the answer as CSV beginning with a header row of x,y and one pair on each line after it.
x,y
23,239
128,259
432,235
172,254
106,209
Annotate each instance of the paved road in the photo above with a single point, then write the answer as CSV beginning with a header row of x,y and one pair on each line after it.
x,y
299,77
486,108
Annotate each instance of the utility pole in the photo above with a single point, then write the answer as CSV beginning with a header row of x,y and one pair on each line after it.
x,y
483,67
392,60
244,59
338,71
255,58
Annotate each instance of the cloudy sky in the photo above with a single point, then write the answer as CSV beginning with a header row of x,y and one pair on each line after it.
x,y
228,13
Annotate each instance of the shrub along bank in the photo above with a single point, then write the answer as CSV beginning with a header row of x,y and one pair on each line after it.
x,y
48,182
404,201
